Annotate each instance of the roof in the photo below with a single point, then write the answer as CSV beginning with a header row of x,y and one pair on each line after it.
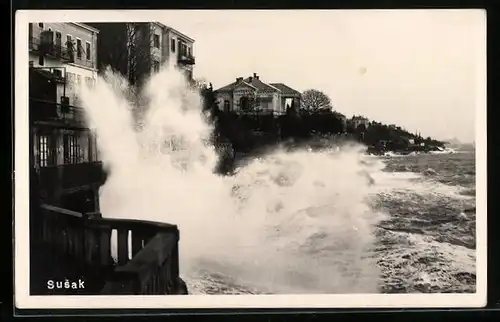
x,y
177,32
360,118
285,89
86,26
260,86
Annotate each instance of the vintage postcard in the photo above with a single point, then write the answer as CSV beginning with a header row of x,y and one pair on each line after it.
x,y
250,159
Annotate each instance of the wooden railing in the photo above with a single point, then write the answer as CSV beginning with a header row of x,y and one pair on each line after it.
x,y
149,265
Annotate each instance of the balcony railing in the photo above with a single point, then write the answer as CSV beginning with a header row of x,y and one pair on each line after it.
x,y
67,54
186,59
70,176
66,115
83,61
147,265
52,50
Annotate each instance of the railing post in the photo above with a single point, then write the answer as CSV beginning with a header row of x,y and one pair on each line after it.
x,y
175,256
136,242
105,249
122,246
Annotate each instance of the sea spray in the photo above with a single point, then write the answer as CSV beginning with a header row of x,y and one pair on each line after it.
x,y
287,222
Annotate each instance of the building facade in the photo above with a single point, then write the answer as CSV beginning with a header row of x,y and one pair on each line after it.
x,y
70,52
138,49
64,156
356,121
251,94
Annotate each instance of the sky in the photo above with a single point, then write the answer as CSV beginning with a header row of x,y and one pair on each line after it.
x,y
419,69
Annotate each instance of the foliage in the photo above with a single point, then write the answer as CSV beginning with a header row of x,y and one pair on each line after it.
x,y
396,138
127,47
253,131
314,100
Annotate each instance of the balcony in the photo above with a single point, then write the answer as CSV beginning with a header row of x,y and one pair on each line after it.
x,y
82,61
70,176
66,54
80,246
58,114
186,59
52,73
69,54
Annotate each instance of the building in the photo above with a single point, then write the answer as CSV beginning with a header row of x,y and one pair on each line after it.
x,y
356,121
251,94
64,157
69,54
139,49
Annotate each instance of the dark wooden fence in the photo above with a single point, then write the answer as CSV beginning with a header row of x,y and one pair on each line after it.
x,y
149,265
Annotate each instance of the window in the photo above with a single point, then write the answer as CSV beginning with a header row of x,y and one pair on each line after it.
x,y
156,66
89,82
189,51
71,149
43,148
244,103
58,39
87,51
40,24
69,45
57,73
70,78
79,48
227,106
182,48
58,43
156,40
172,44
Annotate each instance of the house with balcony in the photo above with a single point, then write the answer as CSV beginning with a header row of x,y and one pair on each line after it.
x,y
138,49
65,155
252,95
69,239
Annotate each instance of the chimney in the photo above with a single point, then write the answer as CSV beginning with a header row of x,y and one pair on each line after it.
x,y
250,79
255,76
239,79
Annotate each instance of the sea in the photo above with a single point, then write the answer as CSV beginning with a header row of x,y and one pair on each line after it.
x,y
427,242
334,220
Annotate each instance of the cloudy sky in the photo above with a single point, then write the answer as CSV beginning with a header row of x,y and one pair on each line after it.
x,y
417,69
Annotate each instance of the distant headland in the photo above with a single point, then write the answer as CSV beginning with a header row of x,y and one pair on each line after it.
x,y
314,120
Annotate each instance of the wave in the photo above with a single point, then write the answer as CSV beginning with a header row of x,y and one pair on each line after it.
x,y
287,222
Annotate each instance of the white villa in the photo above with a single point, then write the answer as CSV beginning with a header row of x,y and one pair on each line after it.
x,y
252,95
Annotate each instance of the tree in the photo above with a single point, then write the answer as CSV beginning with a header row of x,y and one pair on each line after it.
x,y
208,96
126,47
314,100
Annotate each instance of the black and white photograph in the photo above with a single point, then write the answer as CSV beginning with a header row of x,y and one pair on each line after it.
x,y
250,158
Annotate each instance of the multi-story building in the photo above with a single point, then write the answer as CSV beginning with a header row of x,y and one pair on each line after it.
x,y
251,94
64,157
138,49
356,121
